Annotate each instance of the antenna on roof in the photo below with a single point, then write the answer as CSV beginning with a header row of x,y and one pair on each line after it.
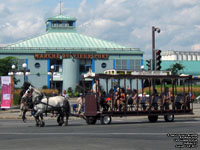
x,y
60,6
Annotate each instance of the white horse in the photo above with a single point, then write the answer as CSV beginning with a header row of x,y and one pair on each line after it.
x,y
43,104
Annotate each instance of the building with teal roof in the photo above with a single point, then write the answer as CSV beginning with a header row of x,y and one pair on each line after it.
x,y
72,54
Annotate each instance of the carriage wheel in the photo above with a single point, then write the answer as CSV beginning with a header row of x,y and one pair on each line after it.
x,y
91,120
169,118
106,120
153,118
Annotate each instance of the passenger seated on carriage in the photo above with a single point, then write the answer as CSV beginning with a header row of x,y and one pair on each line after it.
x,y
143,102
121,99
102,99
106,100
155,100
179,100
132,99
167,98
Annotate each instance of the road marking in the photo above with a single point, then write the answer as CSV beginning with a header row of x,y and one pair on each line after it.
x,y
53,133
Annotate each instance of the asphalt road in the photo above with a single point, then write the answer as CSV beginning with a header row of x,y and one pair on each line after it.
x,y
122,134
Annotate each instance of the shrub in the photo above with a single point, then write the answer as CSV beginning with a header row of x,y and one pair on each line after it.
x,y
69,90
76,94
45,87
79,89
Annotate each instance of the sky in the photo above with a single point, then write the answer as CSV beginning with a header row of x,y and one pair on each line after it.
x,y
126,22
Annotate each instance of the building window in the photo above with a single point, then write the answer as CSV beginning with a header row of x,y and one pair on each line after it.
x,y
57,64
133,64
37,65
103,65
121,64
85,65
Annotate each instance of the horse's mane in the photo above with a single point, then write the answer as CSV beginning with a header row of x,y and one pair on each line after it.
x,y
37,91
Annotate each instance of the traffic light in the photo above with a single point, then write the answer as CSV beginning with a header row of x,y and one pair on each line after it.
x,y
149,64
158,59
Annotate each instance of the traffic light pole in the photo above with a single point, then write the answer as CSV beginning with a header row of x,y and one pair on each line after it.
x,y
153,51
153,48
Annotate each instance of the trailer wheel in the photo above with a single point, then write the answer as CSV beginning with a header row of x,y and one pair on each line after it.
x,y
91,120
106,120
153,118
169,118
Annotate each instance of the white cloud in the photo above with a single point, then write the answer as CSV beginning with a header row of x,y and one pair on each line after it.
x,y
127,22
131,22
179,3
19,22
196,47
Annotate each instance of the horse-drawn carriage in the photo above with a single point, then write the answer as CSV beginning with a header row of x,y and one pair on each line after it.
x,y
151,97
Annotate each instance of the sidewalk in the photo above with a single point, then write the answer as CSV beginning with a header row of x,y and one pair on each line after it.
x,y
13,113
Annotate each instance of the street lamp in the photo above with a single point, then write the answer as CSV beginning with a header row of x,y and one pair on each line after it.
x,y
51,72
153,45
142,68
12,71
25,71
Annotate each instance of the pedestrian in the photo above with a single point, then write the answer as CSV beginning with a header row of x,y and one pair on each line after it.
x,y
65,94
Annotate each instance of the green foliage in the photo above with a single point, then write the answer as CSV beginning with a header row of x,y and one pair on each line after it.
x,y
5,65
45,87
16,99
175,68
76,94
79,89
69,90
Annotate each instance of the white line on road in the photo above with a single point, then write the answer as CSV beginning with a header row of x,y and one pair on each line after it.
x,y
53,133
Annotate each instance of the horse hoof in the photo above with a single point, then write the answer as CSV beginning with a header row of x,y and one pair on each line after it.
x,y
37,125
42,124
64,124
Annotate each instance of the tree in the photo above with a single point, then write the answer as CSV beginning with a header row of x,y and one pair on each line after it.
x,y
5,66
175,68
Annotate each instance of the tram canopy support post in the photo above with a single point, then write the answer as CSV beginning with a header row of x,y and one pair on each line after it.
x,y
191,90
161,94
184,94
107,86
173,94
137,95
125,84
150,97
131,84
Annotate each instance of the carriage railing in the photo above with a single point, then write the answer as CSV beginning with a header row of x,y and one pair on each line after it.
x,y
173,105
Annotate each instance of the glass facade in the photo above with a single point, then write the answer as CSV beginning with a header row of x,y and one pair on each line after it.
x,y
85,65
125,64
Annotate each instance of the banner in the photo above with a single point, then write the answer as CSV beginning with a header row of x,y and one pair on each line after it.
x,y
6,95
